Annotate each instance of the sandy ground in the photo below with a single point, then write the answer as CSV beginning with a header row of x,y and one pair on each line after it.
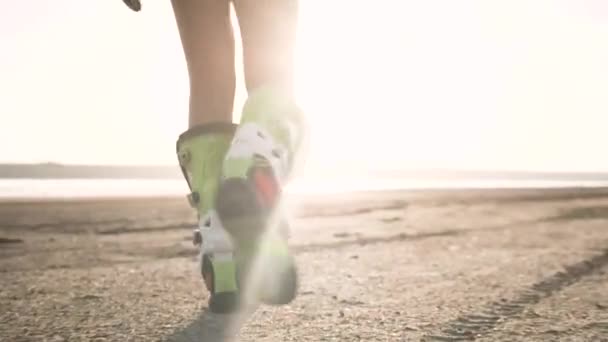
x,y
494,265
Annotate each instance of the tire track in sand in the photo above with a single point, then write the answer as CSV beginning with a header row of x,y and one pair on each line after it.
x,y
471,326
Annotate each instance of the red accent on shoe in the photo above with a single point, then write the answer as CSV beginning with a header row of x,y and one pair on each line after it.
x,y
266,186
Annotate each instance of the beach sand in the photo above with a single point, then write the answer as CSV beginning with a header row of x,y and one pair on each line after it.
x,y
490,265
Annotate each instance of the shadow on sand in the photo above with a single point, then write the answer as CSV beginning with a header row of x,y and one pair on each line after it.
x,y
211,327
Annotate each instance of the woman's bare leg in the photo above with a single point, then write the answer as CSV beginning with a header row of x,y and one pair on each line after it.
x,y
207,38
262,153
268,30
208,43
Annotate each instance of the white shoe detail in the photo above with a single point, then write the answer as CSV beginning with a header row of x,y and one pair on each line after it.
x,y
215,239
251,139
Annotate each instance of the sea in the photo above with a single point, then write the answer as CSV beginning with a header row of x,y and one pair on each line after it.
x,y
113,188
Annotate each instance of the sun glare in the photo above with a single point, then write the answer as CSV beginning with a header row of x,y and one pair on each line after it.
x,y
385,84
451,84
377,87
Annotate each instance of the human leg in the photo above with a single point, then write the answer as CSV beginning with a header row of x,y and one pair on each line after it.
x,y
206,35
266,144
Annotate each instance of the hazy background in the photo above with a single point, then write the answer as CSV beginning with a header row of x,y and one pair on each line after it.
x,y
518,85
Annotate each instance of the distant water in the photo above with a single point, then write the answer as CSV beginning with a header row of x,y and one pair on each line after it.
x,y
100,188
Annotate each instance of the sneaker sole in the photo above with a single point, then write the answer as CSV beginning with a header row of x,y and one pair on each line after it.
x,y
246,219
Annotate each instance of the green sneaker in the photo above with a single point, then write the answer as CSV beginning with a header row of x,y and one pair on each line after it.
x,y
264,151
201,151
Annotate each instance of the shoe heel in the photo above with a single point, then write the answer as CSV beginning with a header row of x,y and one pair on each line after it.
x,y
224,283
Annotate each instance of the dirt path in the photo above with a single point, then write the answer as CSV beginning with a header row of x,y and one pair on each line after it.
x,y
424,266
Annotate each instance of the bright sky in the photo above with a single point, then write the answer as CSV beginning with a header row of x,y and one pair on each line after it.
x,y
438,83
